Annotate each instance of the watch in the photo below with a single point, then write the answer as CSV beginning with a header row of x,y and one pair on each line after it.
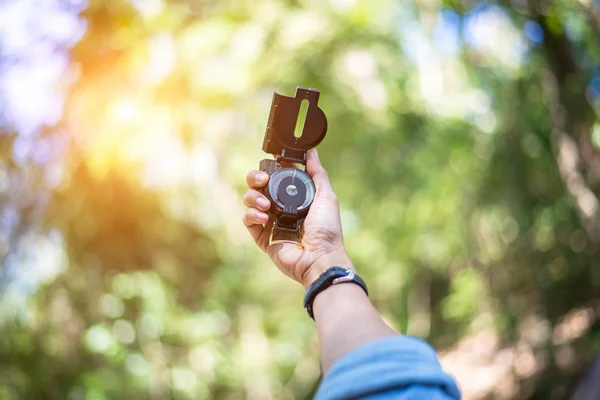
x,y
332,276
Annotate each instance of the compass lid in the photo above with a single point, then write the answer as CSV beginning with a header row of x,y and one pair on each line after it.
x,y
279,136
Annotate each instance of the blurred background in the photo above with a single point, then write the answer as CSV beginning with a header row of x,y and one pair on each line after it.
x,y
463,144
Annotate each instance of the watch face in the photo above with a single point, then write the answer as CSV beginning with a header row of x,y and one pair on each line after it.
x,y
291,187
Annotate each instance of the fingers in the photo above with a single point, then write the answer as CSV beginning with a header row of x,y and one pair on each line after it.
x,y
257,179
318,174
254,217
254,220
262,239
255,199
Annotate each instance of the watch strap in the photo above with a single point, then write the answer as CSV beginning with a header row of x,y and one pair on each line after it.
x,y
332,276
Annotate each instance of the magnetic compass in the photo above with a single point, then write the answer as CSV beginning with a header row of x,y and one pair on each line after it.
x,y
290,189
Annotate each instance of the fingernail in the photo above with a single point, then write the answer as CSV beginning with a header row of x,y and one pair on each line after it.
x,y
316,154
262,216
261,177
262,202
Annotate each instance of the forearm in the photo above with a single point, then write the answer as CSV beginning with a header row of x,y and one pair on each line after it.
x,y
345,317
360,354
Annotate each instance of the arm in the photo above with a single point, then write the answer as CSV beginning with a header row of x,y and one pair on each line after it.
x,y
361,356
345,317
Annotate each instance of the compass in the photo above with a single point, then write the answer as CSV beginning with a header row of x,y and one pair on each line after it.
x,y
290,189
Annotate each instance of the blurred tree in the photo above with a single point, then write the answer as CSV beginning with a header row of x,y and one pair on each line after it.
x,y
463,145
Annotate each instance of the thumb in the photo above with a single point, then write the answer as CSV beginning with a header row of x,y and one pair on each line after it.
x,y
318,174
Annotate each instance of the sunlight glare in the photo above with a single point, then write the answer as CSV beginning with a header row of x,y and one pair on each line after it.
x,y
125,111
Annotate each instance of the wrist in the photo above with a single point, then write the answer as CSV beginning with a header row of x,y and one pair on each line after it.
x,y
335,258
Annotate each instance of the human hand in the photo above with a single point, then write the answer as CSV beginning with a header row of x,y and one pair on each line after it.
x,y
322,242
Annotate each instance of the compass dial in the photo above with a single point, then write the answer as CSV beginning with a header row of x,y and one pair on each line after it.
x,y
291,187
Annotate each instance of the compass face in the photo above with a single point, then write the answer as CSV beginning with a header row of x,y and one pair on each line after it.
x,y
291,187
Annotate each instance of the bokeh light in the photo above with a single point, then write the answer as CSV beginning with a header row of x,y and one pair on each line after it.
x,y
463,145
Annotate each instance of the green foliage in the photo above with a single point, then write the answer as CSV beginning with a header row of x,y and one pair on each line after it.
x,y
463,151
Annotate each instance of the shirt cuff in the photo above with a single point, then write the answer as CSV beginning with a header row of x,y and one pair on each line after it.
x,y
387,364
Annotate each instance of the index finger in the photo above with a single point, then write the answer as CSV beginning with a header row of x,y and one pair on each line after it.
x,y
257,179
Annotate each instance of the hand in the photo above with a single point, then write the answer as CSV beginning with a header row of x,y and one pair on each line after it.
x,y
322,241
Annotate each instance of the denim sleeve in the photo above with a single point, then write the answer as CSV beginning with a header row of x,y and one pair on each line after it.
x,y
398,367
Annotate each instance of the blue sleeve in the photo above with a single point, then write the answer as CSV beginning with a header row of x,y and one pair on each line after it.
x,y
398,367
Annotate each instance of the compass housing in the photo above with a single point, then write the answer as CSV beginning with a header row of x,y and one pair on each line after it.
x,y
290,189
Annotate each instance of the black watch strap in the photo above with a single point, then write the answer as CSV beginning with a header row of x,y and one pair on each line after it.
x,y
332,276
